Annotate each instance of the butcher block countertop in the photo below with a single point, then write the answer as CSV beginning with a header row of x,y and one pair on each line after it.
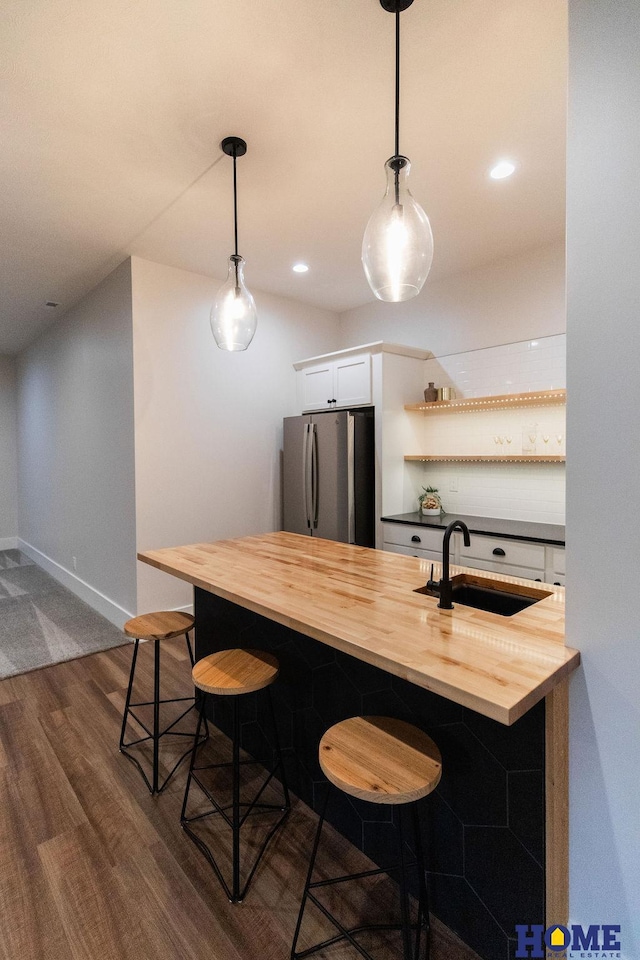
x,y
362,601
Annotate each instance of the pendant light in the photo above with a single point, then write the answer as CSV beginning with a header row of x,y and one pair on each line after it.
x,y
397,248
233,314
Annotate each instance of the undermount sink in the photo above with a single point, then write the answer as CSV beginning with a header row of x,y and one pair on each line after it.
x,y
494,596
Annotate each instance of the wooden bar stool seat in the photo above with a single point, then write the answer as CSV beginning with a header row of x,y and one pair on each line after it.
x,y
379,760
233,674
164,625
156,627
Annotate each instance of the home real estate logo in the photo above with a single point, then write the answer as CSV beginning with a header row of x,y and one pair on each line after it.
x,y
596,942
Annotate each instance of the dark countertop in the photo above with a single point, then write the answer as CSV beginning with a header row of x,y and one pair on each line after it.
x,y
552,533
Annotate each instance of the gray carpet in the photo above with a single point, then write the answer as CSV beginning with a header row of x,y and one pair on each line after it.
x,y
41,622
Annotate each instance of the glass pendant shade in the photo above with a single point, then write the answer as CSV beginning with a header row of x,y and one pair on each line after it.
x,y
397,248
233,315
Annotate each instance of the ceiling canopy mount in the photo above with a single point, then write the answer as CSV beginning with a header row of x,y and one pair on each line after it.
x,y
395,6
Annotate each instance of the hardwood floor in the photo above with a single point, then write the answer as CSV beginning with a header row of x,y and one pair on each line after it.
x,y
94,868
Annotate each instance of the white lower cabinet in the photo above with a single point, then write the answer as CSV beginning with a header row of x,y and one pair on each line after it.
x,y
515,558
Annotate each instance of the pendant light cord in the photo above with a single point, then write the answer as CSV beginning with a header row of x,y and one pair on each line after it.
x,y
397,130
235,220
397,150
235,203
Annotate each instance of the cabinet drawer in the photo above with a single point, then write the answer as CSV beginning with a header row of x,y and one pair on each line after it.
x,y
432,556
414,537
506,552
509,570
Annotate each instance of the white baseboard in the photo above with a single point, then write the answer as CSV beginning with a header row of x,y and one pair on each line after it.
x,y
109,609
188,608
8,543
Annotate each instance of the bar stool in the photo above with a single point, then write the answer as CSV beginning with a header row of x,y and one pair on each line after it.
x,y
163,625
379,760
234,673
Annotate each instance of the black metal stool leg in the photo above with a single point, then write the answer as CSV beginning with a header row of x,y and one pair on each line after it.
x,y
312,863
132,672
404,893
236,800
196,744
189,649
156,713
235,812
195,702
153,732
423,893
411,947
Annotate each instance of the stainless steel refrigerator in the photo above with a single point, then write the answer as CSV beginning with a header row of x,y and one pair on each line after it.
x,y
328,476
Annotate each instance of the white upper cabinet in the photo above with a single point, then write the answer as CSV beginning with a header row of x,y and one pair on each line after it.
x,y
352,381
315,387
336,383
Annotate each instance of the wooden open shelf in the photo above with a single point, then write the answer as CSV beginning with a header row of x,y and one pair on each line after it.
x,y
515,458
539,399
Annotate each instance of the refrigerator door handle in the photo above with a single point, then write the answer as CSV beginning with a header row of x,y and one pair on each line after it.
x,y
306,472
351,499
314,475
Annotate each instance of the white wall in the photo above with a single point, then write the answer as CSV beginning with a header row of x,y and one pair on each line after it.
x,y
8,455
76,449
603,351
209,422
518,298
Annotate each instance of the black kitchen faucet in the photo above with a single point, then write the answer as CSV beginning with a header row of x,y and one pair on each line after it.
x,y
444,587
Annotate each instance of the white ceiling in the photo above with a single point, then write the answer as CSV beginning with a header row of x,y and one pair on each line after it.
x,y
112,116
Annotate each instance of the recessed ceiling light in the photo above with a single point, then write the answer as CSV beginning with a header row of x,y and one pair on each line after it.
x,y
300,268
501,170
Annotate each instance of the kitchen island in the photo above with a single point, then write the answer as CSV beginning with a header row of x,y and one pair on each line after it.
x,y
353,636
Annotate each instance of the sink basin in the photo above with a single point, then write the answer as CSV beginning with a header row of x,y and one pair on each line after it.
x,y
494,596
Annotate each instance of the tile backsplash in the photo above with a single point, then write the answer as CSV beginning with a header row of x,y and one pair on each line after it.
x,y
518,491
513,491
511,368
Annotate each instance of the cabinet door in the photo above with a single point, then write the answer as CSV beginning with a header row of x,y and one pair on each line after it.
x,y
316,386
352,381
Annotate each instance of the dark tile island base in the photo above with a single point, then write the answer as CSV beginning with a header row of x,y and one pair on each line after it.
x,y
484,825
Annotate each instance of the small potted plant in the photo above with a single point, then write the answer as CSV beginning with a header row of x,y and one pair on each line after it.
x,y
430,502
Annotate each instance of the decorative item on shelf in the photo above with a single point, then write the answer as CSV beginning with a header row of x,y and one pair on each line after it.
x,y
529,438
431,393
430,502
397,247
446,393
233,315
